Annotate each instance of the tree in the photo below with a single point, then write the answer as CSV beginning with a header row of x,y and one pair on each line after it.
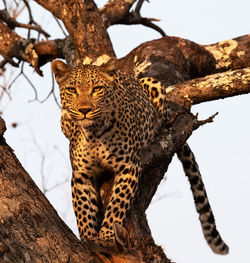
x,y
191,73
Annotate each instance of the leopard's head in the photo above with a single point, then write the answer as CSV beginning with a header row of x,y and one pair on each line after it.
x,y
86,92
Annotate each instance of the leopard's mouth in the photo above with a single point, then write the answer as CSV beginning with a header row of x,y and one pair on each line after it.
x,y
85,122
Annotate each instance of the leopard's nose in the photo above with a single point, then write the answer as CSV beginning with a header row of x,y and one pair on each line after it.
x,y
84,110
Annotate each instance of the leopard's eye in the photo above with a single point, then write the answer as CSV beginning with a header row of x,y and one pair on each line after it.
x,y
97,89
71,90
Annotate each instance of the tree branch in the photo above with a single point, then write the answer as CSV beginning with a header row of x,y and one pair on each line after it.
x,y
11,44
85,26
168,59
117,12
37,54
114,11
14,46
12,23
212,87
231,54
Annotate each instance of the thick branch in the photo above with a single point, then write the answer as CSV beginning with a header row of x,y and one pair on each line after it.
x,y
30,228
85,26
212,87
174,60
117,12
49,50
11,44
169,59
114,11
231,54
37,54
14,46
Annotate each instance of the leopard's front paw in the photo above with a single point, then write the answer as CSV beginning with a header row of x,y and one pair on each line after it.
x,y
103,241
106,234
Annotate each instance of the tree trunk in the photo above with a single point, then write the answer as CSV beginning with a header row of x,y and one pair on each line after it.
x,y
30,229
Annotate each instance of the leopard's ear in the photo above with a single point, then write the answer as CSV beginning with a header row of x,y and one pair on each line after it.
x,y
60,69
110,65
108,69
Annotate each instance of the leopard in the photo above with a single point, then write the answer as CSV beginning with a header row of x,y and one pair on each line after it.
x,y
109,118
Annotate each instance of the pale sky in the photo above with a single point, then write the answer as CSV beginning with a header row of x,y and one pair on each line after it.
x,y
222,148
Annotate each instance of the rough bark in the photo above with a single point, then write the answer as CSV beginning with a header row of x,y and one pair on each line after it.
x,y
30,229
10,44
114,11
85,27
118,12
231,54
212,87
169,59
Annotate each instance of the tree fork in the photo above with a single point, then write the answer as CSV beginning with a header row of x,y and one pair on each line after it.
x,y
85,26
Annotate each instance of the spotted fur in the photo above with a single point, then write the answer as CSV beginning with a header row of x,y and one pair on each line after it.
x,y
108,117
202,205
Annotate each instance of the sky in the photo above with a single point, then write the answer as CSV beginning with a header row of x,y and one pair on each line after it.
x,y
222,149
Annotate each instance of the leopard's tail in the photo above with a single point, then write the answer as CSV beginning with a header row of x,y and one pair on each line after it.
x,y
202,205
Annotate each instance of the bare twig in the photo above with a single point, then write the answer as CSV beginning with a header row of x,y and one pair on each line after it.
x,y
52,92
44,156
118,13
57,21
139,5
199,123
208,120
14,80
148,23
29,11
5,91
53,88
12,23
158,198
15,11
135,17
35,27
16,2
33,87
3,63
29,81
55,186
5,5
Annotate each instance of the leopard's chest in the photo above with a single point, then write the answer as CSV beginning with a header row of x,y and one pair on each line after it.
x,y
118,145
